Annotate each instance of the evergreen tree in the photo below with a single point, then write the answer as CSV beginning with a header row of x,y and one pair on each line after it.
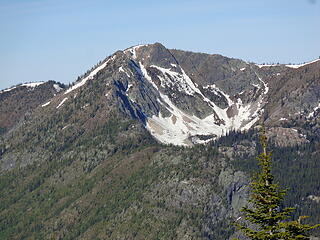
x,y
265,219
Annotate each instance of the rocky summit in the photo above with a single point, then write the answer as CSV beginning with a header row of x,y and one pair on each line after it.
x,y
185,98
155,143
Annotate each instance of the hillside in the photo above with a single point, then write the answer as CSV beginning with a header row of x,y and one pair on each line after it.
x,y
18,102
146,145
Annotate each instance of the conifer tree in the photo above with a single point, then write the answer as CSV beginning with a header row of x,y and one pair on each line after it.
x,y
265,219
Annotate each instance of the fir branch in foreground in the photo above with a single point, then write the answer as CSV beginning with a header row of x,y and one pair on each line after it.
x,y
265,219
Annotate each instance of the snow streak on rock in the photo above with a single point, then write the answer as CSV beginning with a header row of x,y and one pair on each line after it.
x,y
57,87
267,65
301,65
62,102
287,65
310,115
181,128
28,85
124,71
170,78
132,50
46,104
90,76
32,85
217,91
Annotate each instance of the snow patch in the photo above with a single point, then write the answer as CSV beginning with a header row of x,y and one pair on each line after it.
x,y
91,75
314,198
266,88
301,65
267,65
84,106
287,65
310,115
65,127
184,129
170,78
32,85
7,90
129,86
242,69
46,104
62,102
28,85
133,49
57,87
122,70
255,85
218,91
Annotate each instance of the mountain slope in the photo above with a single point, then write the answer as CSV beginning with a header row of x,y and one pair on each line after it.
x,y
185,98
85,163
20,100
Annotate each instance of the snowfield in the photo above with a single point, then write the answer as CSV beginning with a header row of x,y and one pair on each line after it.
x,y
184,129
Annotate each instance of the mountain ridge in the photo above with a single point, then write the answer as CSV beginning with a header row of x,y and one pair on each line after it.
x,y
22,99
82,164
194,96
165,74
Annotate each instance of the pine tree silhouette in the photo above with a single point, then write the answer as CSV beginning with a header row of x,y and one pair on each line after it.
x,y
265,219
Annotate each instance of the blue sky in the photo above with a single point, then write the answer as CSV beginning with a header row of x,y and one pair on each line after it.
x,y
61,39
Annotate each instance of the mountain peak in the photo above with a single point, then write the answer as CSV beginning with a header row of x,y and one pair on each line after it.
x,y
182,97
185,98
88,162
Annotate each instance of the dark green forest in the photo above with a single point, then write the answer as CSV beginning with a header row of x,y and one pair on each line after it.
x,y
130,190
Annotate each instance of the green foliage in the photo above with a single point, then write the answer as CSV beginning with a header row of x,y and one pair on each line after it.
x,y
108,191
112,181
265,219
